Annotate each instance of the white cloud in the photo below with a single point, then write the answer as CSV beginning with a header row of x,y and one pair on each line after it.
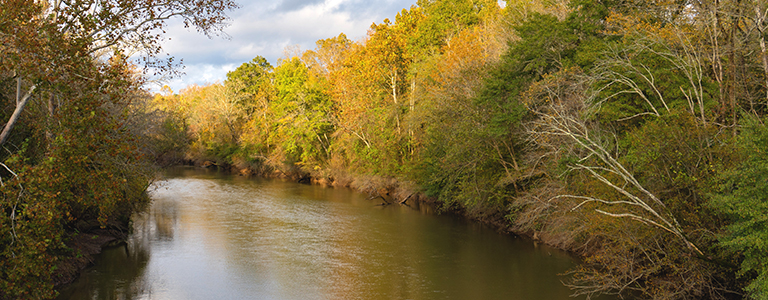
x,y
199,74
266,28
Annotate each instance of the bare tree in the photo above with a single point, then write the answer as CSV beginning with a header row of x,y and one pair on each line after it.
x,y
562,105
624,72
558,120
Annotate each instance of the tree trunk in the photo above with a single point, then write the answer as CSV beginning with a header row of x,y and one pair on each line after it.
x,y
21,101
717,63
732,75
759,20
393,84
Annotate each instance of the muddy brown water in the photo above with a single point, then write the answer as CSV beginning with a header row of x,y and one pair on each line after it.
x,y
209,235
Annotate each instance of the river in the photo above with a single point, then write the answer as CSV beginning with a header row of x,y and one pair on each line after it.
x,y
214,236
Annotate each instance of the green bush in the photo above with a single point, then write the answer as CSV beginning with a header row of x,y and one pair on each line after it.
x,y
743,197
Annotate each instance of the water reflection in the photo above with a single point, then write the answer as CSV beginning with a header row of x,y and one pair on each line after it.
x,y
121,278
209,236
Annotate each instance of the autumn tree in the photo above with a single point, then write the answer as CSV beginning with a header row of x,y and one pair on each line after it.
x,y
444,19
369,91
458,161
329,55
77,161
102,29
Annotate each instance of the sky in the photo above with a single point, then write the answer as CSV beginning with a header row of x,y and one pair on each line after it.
x,y
267,28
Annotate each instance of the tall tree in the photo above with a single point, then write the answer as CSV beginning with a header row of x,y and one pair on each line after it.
x,y
301,113
101,28
446,18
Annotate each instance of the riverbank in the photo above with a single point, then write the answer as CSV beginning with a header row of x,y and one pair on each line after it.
x,y
85,244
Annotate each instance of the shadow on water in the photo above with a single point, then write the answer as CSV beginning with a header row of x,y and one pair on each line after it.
x,y
213,236
118,274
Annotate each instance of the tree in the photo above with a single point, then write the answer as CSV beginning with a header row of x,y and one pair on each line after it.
x,y
300,114
84,166
101,28
329,55
558,120
79,155
458,159
446,18
250,75
743,197
369,92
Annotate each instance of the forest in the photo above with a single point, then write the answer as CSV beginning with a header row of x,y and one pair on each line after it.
x,y
631,133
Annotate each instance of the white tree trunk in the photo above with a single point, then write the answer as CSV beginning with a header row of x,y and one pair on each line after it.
x,y
21,101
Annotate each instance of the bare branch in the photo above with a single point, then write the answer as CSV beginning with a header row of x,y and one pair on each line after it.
x,y
21,101
590,199
557,121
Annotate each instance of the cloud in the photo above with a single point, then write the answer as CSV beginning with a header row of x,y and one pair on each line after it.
x,y
291,5
266,28
200,74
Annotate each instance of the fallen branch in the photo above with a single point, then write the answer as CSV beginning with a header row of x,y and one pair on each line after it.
x,y
406,199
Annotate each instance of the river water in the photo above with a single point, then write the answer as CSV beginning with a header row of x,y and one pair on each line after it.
x,y
214,236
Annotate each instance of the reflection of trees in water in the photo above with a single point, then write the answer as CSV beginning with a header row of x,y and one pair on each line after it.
x,y
117,274
164,217
123,272
120,272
